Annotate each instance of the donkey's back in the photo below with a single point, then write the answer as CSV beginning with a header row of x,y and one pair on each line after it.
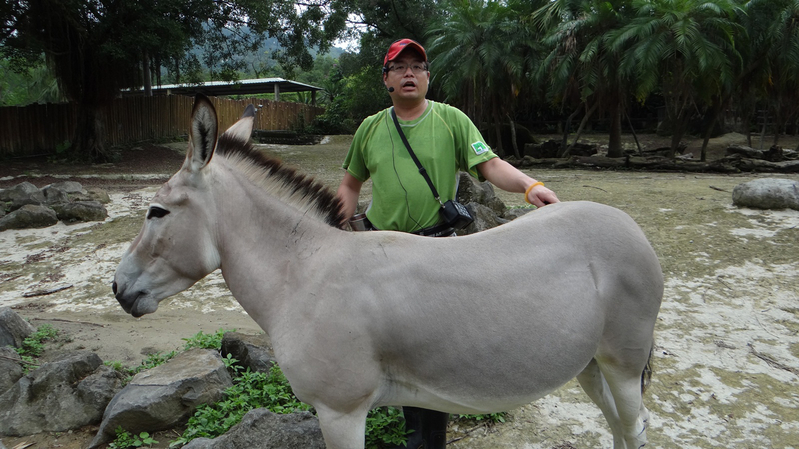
x,y
494,320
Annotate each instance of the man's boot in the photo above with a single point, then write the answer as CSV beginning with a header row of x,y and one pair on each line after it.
x,y
414,421
434,429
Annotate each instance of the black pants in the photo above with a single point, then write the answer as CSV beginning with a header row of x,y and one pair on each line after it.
x,y
429,428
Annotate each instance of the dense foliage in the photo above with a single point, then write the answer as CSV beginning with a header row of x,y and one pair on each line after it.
x,y
503,62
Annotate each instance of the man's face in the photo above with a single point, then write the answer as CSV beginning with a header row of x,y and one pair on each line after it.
x,y
408,76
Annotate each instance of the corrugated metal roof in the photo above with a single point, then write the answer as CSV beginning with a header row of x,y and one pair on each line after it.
x,y
240,87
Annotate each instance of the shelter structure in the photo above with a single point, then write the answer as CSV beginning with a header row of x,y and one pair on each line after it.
x,y
240,87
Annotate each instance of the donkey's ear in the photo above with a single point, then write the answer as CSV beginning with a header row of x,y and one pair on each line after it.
x,y
242,129
203,135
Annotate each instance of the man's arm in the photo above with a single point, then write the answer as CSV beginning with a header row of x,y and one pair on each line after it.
x,y
510,179
348,192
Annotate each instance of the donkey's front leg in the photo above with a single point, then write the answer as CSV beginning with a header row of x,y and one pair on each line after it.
x,y
343,430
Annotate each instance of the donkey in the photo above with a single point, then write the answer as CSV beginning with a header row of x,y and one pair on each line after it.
x,y
473,324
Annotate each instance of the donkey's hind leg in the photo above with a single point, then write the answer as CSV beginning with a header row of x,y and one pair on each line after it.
x,y
342,430
593,382
625,385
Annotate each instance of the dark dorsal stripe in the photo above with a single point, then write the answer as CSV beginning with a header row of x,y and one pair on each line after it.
x,y
322,198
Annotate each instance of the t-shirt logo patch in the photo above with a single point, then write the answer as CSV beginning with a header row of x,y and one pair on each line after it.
x,y
479,148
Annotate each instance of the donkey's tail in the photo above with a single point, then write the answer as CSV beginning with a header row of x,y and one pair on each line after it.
x,y
646,375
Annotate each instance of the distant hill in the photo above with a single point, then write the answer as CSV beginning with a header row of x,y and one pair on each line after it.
x,y
263,55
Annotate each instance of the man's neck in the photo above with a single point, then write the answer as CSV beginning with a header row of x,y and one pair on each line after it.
x,y
410,112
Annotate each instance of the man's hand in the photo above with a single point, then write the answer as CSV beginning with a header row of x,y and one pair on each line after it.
x,y
540,196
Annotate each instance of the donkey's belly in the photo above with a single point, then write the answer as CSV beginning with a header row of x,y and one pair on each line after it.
x,y
488,375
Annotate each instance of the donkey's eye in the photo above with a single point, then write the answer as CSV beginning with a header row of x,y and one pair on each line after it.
x,y
156,212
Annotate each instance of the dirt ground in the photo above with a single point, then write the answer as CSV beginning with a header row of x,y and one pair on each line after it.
x,y
727,355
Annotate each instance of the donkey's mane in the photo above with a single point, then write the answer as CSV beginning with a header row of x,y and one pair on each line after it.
x,y
285,183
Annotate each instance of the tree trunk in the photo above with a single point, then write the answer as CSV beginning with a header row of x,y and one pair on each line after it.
x,y
614,142
715,110
513,138
90,134
497,122
635,135
146,76
676,137
568,126
585,120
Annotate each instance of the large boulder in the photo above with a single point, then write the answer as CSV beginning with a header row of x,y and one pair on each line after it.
x,y
484,218
67,393
167,395
767,193
262,429
29,216
70,187
54,195
80,211
251,351
13,328
10,368
22,194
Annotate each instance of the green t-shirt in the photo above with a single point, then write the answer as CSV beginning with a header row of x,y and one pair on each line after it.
x,y
444,140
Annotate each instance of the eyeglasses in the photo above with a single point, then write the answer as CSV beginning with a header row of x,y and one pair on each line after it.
x,y
402,68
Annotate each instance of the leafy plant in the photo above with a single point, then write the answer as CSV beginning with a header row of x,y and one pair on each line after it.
x,y
206,341
33,345
249,391
385,427
154,360
125,440
492,417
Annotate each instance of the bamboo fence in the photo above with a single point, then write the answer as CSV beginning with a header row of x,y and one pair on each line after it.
x,y
41,129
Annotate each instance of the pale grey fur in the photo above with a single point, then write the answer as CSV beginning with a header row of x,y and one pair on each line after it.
x,y
474,324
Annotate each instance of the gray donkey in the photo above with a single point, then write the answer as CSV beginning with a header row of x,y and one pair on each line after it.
x,y
474,324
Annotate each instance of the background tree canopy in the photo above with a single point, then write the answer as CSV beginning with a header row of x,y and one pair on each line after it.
x,y
503,62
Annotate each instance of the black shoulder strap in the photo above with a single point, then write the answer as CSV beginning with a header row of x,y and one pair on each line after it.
x,y
413,156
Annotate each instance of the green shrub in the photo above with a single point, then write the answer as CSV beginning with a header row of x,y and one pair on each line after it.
x,y
33,345
125,440
250,390
206,341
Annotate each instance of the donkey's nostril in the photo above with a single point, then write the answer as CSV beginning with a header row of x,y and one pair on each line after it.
x,y
114,287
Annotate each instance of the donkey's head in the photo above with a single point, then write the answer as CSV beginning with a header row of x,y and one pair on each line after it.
x,y
177,246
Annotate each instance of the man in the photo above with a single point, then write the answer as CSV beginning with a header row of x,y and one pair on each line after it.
x,y
445,141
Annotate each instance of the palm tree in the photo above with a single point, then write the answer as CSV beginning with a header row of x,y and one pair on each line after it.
x,y
481,53
684,49
580,63
772,61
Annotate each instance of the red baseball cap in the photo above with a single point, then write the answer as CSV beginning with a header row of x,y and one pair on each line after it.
x,y
399,46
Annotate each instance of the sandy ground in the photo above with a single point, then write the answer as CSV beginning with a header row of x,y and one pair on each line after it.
x,y
727,355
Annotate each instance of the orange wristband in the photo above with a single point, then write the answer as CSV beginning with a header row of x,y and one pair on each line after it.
x,y
527,192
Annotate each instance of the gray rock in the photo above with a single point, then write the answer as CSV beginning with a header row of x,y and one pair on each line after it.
x,y
516,212
100,195
54,195
262,429
472,191
252,351
167,395
64,394
767,193
67,186
10,368
484,218
29,216
13,328
22,194
81,211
